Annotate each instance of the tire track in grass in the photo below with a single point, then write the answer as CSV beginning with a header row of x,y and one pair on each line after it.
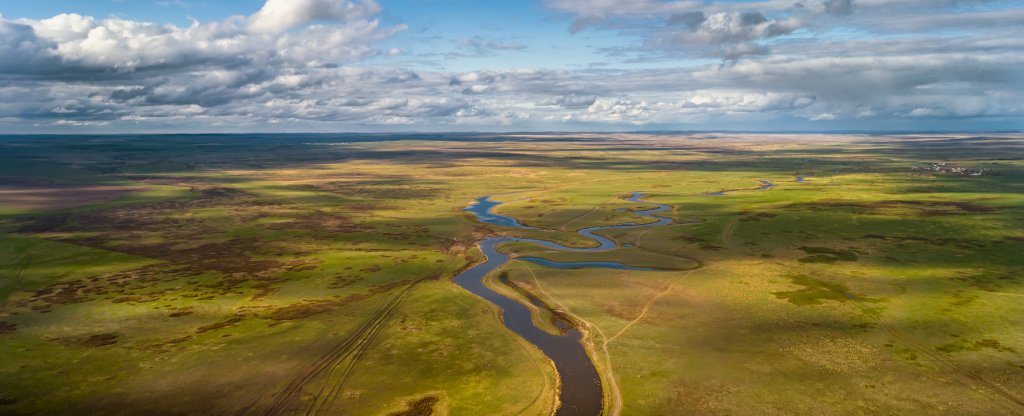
x,y
335,382
563,227
647,306
616,408
325,397
615,397
367,329
16,279
727,232
353,346
964,376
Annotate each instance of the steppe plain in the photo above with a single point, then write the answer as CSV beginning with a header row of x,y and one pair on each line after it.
x,y
287,274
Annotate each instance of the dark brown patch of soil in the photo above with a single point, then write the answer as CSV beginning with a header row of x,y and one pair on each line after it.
x,y
50,197
226,257
180,340
307,308
421,407
218,325
690,239
758,216
7,327
100,340
44,224
321,223
222,192
116,286
956,242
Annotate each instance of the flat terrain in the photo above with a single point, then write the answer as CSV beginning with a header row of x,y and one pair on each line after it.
x,y
48,198
311,274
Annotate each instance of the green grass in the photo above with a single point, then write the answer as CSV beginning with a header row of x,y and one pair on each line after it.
x,y
814,292
865,290
28,263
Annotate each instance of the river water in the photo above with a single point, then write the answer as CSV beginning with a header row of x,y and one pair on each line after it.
x,y
580,392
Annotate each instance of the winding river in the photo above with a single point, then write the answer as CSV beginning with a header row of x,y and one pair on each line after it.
x,y
580,390
765,185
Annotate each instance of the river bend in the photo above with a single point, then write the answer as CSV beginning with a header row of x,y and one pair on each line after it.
x,y
580,390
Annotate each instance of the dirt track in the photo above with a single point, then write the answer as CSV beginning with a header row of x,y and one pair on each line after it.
x,y
350,349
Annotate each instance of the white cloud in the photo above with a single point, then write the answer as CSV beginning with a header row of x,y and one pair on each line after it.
x,y
731,27
293,64
280,15
569,101
618,110
75,45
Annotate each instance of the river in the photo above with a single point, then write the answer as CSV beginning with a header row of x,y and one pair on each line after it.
x,y
580,390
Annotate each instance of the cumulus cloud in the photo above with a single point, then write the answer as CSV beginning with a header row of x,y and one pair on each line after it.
x,y
727,27
618,110
838,7
73,45
20,50
280,15
626,9
569,101
309,65
726,30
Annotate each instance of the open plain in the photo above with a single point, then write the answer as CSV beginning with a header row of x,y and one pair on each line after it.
x,y
312,274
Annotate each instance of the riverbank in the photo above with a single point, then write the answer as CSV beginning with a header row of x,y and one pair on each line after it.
x,y
581,391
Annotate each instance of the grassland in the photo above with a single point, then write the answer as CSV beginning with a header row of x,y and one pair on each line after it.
x,y
295,274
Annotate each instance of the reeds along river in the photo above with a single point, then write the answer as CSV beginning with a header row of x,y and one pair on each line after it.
x,y
581,391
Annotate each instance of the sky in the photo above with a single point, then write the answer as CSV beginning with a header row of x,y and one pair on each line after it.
x,y
181,66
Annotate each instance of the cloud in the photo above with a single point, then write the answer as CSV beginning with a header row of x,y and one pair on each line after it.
x,y
839,7
323,65
726,30
728,34
734,52
71,45
280,15
618,110
481,46
591,12
569,101
843,88
21,51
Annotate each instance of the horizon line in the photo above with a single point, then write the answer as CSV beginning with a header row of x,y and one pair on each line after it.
x,y
551,132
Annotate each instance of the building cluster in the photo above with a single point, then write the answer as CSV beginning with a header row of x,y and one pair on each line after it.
x,y
944,168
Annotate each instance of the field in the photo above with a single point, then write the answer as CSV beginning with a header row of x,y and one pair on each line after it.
x,y
263,274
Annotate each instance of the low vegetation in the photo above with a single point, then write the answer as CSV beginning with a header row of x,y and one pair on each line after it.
x,y
311,274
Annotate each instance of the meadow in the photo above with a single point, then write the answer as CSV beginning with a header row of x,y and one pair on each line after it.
x,y
311,274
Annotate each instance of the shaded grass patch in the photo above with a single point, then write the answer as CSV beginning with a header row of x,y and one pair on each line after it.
x,y
814,291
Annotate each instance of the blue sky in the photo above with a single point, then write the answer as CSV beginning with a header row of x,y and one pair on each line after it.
x,y
436,26
454,65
